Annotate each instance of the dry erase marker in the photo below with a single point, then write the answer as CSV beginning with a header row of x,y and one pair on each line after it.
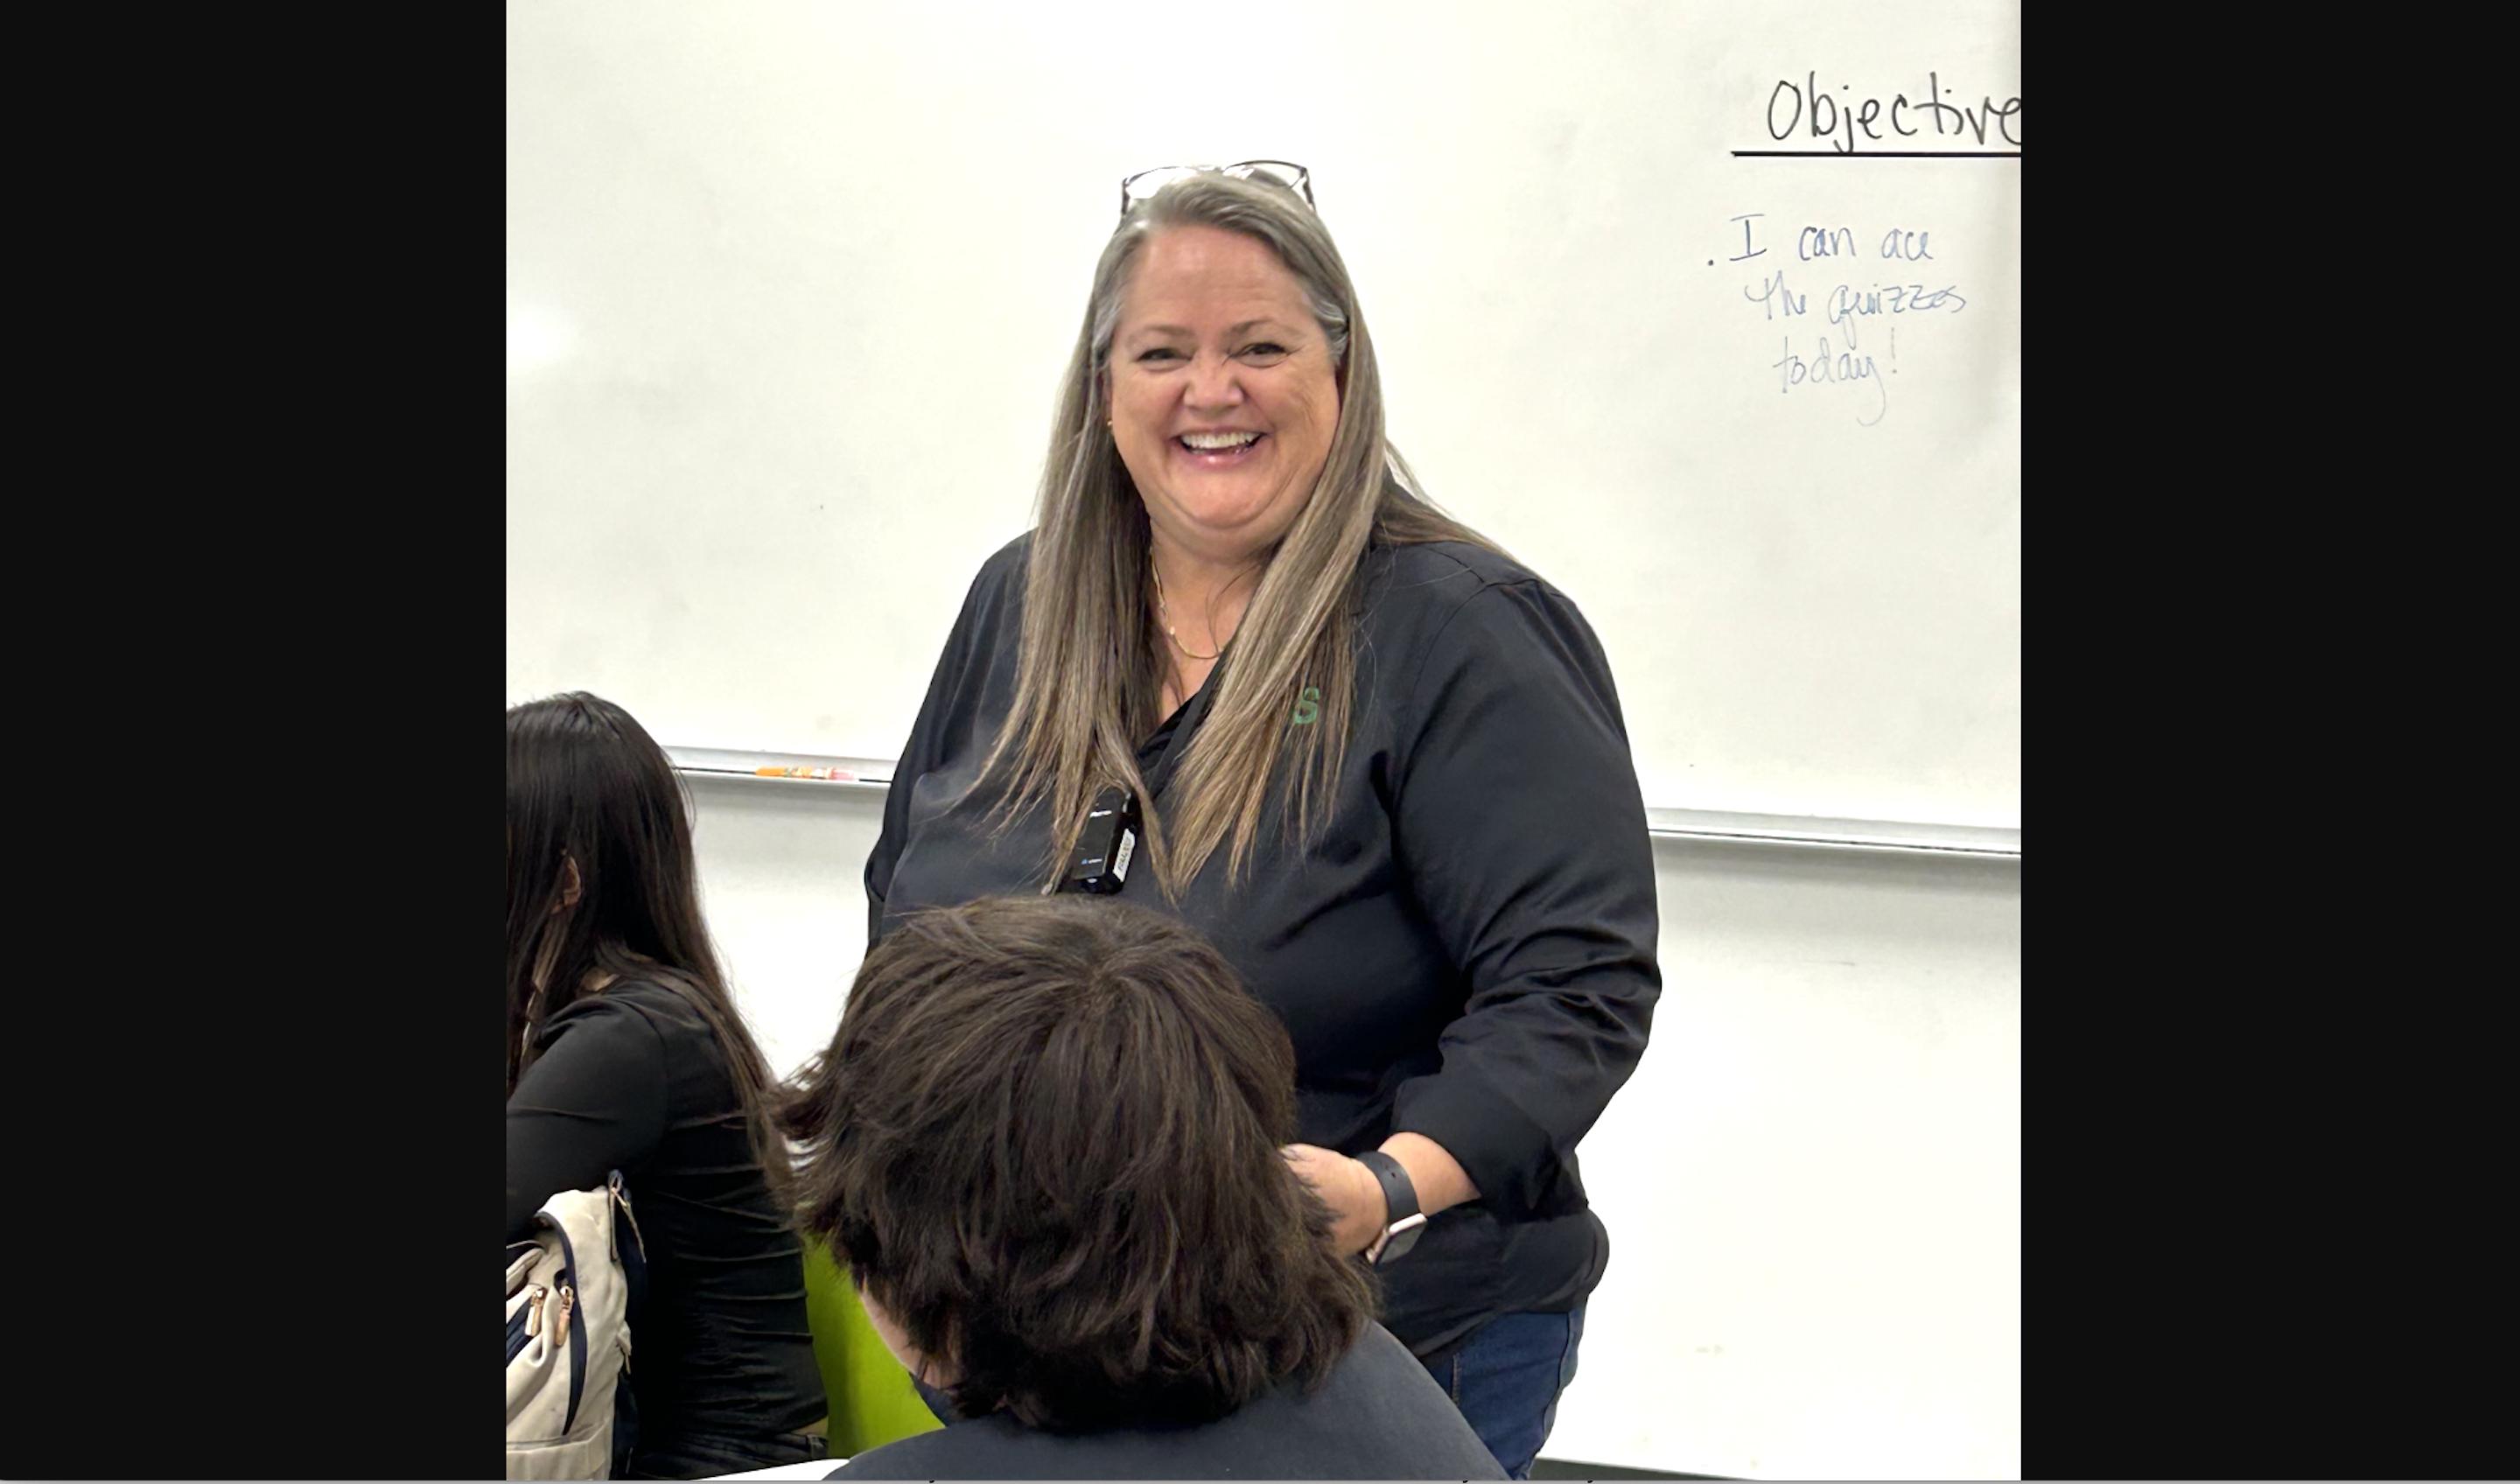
x,y
828,774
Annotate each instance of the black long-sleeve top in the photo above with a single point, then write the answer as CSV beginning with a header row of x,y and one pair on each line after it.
x,y
1376,1415
632,1080
1465,950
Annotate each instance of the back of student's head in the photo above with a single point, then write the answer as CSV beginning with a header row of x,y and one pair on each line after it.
x,y
602,880
1045,1140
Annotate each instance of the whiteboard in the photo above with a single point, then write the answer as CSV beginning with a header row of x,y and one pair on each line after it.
x,y
789,287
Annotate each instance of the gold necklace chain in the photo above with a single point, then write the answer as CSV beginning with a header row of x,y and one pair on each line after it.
x,y
1165,610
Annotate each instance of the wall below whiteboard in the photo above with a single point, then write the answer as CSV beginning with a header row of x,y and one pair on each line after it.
x,y
1811,1185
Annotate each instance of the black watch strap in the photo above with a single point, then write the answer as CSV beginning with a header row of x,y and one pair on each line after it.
x,y
1402,1225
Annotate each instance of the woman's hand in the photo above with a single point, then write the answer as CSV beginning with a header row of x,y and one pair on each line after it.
x,y
1348,1189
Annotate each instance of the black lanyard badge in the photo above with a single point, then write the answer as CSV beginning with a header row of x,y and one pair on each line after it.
x,y
1112,832
1104,851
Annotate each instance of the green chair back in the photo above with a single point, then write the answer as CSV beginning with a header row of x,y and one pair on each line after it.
x,y
873,1401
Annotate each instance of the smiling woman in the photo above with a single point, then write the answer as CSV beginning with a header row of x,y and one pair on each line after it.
x,y
1222,398
1378,762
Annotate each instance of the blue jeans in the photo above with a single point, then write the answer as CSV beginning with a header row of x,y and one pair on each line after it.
x,y
1508,1378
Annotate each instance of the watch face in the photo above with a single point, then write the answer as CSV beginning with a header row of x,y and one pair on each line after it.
x,y
1399,1239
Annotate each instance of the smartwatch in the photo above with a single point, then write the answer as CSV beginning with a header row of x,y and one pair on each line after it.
x,y
1404,1221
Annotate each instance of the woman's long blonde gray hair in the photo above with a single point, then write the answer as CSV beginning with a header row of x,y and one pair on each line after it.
x,y
1090,680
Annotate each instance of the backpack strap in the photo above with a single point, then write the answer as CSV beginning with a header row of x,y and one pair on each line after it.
x,y
632,1254
576,1325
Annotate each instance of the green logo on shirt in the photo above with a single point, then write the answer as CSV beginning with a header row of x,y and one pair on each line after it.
x,y
1309,709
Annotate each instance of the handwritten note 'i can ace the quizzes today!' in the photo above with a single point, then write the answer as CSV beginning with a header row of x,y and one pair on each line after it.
x,y
1836,292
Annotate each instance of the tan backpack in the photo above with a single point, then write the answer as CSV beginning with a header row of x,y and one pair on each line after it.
x,y
569,1300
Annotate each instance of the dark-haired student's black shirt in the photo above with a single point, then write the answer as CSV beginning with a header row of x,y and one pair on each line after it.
x,y
1465,949
1376,1415
632,1080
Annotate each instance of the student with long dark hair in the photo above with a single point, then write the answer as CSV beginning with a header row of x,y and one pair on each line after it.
x,y
625,1053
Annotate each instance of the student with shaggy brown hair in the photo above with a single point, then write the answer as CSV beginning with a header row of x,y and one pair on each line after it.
x,y
1046,1142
